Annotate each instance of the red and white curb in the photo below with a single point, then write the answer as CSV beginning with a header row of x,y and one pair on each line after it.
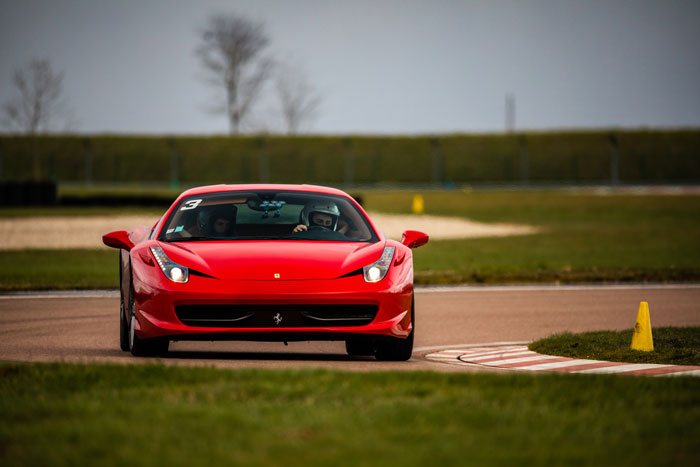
x,y
518,357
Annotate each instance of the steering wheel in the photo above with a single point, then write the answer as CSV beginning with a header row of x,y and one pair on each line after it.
x,y
317,228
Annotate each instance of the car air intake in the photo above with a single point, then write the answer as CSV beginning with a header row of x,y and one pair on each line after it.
x,y
275,316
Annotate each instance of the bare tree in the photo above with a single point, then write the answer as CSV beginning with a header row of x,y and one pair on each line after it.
x,y
298,98
39,102
232,54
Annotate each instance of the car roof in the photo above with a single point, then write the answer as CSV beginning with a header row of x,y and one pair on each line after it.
x,y
266,186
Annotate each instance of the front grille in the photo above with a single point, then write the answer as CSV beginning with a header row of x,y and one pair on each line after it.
x,y
275,316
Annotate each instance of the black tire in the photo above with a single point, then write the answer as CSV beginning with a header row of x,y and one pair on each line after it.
x,y
359,347
142,347
397,350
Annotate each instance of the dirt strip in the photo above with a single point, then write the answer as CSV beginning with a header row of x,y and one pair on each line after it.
x,y
86,232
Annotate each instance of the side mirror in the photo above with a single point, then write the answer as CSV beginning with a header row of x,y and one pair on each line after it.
x,y
414,238
118,239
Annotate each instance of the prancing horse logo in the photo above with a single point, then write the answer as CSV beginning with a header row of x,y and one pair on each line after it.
x,y
277,318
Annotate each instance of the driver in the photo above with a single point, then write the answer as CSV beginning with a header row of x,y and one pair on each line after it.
x,y
318,214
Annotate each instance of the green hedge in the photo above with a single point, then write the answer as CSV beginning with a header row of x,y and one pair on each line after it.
x,y
566,157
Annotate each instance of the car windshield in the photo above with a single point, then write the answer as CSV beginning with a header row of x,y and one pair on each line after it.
x,y
266,215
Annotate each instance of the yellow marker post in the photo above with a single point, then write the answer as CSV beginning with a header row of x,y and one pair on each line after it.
x,y
641,338
417,207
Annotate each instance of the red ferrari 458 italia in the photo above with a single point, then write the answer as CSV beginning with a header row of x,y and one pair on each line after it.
x,y
267,263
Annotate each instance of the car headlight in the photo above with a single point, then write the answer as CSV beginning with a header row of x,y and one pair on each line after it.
x,y
172,270
377,270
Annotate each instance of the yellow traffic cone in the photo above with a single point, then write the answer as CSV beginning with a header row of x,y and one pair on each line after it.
x,y
641,338
417,207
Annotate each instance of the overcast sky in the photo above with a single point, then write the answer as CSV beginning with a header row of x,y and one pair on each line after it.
x,y
380,66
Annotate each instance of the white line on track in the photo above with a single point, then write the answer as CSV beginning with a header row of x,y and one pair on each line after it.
x,y
565,364
555,287
511,360
499,355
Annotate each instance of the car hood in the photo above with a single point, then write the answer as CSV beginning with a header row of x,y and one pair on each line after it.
x,y
273,260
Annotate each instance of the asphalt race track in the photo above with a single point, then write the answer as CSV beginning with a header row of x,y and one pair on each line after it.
x,y
83,326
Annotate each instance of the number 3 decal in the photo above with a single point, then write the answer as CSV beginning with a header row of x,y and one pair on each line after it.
x,y
191,204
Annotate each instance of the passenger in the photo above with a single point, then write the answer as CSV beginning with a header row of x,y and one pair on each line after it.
x,y
221,226
218,222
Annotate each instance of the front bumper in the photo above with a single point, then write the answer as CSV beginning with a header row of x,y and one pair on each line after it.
x,y
156,299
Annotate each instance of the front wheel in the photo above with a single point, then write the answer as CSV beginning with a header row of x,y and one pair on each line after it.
x,y
142,347
398,350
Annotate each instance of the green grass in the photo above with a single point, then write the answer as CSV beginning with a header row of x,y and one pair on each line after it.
x,y
584,238
59,269
675,346
60,414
